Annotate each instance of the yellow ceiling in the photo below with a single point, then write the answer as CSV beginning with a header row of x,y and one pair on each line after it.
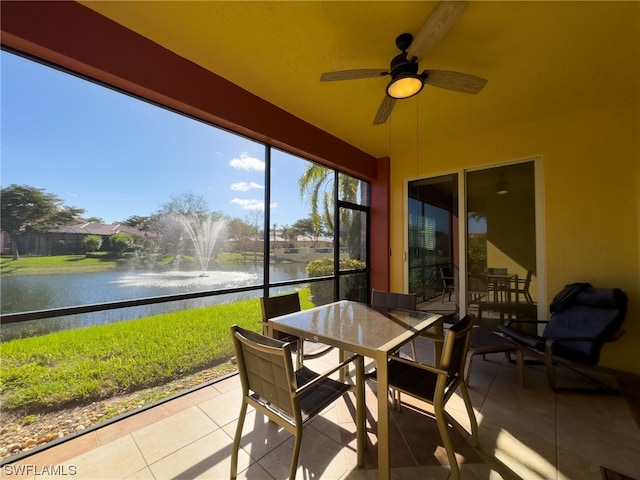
x,y
540,58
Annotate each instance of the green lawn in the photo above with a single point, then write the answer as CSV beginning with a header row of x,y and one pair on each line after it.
x,y
83,365
103,261
57,264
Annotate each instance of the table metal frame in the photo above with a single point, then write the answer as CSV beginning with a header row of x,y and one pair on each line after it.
x,y
371,332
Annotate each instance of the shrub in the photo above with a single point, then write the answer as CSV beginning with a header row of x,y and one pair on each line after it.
x,y
92,243
120,242
322,292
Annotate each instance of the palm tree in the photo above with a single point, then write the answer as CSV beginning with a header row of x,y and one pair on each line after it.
x,y
317,182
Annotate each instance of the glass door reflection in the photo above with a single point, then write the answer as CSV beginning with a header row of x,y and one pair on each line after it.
x,y
433,266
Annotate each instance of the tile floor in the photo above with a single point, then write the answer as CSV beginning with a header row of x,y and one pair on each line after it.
x,y
525,433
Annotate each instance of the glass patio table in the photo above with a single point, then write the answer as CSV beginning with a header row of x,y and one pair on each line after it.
x,y
371,332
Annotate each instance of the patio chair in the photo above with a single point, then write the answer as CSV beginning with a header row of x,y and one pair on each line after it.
x,y
484,339
477,288
575,335
521,288
448,282
398,301
286,396
281,305
435,386
498,287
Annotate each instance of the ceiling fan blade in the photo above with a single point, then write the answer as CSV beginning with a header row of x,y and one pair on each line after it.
x,y
441,20
352,74
384,110
460,82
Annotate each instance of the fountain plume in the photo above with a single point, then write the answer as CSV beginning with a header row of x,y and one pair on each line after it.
x,y
204,232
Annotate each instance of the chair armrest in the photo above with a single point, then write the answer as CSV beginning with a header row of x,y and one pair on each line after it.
x,y
537,322
550,342
422,366
326,374
433,337
611,338
287,339
522,338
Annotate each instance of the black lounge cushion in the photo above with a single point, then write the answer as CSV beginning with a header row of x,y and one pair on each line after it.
x,y
523,338
595,313
602,297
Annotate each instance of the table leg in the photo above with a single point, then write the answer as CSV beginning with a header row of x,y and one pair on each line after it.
x,y
360,411
384,467
437,346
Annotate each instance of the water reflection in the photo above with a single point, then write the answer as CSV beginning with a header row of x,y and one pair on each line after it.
x,y
188,280
25,293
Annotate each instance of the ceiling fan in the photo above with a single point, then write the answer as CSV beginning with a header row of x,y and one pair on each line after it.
x,y
405,79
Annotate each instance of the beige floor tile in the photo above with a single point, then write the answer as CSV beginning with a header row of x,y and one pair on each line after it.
x,y
526,415
118,459
144,474
361,474
230,382
207,458
320,457
421,473
131,424
572,466
620,451
254,472
525,456
166,436
573,409
224,408
259,435
328,423
189,400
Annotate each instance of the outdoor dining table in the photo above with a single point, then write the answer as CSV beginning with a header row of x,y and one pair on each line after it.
x,y
371,332
501,285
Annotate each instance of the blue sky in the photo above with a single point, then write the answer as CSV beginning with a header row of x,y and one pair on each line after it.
x,y
115,156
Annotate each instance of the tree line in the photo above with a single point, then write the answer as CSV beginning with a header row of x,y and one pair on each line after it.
x,y
27,210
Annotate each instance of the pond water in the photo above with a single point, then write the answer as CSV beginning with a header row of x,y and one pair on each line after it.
x,y
23,293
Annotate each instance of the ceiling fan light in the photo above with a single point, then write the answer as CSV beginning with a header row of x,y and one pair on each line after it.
x,y
405,86
502,187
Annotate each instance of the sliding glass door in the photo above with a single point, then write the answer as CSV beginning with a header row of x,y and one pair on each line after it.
x,y
501,241
433,265
491,268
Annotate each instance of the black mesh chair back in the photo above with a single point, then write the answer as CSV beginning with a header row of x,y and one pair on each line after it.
x,y
457,339
274,307
448,281
397,301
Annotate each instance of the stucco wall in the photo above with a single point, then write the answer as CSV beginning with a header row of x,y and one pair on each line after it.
x,y
591,191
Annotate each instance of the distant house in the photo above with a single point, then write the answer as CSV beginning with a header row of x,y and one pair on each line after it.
x,y
66,239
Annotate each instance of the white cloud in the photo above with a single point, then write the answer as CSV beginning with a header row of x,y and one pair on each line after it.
x,y
249,204
245,162
245,186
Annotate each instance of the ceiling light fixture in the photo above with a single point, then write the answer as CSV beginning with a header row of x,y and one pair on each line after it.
x,y
405,85
405,81
502,187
